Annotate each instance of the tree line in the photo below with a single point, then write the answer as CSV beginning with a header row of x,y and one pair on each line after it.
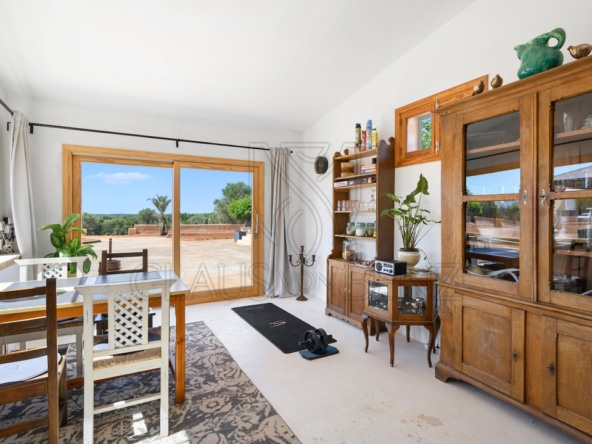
x,y
234,207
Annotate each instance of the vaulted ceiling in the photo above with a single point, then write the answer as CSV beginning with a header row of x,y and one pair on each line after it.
x,y
281,64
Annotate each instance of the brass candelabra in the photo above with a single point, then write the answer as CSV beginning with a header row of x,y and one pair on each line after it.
x,y
302,262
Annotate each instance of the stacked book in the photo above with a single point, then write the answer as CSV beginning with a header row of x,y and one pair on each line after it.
x,y
368,169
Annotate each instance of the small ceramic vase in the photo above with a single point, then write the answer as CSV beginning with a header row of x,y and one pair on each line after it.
x,y
537,56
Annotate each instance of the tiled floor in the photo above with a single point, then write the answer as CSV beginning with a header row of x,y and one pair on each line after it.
x,y
354,397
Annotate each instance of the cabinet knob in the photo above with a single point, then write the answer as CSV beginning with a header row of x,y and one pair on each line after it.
x,y
514,355
551,368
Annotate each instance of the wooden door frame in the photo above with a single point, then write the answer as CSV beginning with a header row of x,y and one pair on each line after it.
x,y
74,155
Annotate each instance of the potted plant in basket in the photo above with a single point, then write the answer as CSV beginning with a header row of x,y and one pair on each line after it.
x,y
67,244
411,219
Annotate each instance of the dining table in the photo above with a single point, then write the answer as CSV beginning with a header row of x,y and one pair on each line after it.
x,y
70,305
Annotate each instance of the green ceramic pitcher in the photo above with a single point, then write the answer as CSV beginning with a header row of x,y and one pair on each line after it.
x,y
537,56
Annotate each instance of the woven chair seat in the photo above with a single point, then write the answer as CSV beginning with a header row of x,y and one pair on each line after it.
x,y
126,358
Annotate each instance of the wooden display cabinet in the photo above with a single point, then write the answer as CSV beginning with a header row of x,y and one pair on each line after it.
x,y
401,300
345,279
516,280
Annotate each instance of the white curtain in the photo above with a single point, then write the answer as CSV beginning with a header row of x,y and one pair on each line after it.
x,y
278,256
21,195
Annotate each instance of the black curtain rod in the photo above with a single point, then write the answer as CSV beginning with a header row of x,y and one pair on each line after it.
x,y
171,139
6,107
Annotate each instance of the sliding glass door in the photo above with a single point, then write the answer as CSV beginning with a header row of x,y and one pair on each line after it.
x,y
199,216
216,230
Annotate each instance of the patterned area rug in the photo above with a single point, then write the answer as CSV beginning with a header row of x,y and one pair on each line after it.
x,y
222,405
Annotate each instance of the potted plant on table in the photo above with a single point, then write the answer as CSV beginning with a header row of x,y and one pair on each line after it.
x,y
67,244
412,220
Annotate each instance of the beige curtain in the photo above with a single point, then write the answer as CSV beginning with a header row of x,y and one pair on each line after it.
x,y
21,194
278,272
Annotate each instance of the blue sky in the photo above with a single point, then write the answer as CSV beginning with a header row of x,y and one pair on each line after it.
x,y
122,189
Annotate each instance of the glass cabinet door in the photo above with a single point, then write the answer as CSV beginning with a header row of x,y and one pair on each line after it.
x,y
569,280
378,297
495,205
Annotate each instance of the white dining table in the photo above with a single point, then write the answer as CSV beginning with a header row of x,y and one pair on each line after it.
x,y
70,305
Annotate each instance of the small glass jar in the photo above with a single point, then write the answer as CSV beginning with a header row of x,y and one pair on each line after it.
x,y
361,229
370,228
350,229
348,251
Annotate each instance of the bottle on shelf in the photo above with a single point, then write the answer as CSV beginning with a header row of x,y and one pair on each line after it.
x,y
364,140
374,138
358,144
368,135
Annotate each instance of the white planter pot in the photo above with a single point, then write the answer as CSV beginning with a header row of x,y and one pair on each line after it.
x,y
412,257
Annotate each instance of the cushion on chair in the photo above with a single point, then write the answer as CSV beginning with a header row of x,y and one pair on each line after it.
x,y
11,372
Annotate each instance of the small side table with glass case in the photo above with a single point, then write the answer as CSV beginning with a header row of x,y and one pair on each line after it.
x,y
401,300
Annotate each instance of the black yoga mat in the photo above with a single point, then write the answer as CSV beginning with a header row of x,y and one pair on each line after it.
x,y
281,328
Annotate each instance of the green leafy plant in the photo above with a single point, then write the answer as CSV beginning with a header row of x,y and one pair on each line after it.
x,y
410,218
67,243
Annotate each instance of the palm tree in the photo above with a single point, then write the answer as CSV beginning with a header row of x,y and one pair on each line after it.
x,y
161,203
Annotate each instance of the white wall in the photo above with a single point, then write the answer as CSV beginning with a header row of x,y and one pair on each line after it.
x,y
478,41
46,146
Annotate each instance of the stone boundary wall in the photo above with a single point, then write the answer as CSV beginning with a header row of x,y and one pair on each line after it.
x,y
190,232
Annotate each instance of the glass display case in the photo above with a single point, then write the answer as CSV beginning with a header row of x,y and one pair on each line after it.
x,y
410,300
401,300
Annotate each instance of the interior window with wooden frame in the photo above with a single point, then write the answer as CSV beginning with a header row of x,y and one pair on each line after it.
x,y
417,128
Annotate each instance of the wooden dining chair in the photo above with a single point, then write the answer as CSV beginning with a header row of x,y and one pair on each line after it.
x,y
129,346
112,263
35,372
43,268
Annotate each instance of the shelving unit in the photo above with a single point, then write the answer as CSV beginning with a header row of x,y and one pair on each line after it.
x,y
345,286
